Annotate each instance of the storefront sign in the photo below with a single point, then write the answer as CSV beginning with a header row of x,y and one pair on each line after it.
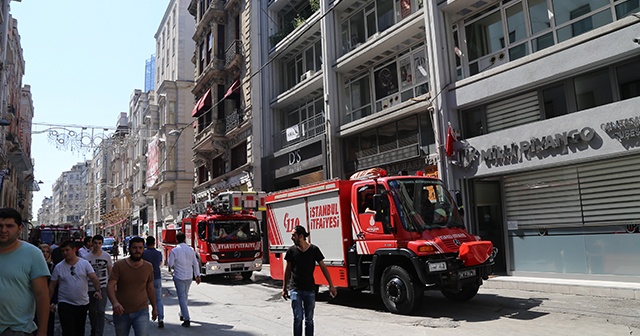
x,y
623,129
516,151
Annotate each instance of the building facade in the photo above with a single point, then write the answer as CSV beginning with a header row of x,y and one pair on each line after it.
x,y
545,146
224,150
70,195
545,96
169,176
346,89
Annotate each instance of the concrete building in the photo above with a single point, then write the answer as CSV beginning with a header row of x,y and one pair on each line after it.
x,y
70,195
228,125
541,96
545,96
346,88
143,110
169,176
45,213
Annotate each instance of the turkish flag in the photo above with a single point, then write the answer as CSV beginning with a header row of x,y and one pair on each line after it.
x,y
450,140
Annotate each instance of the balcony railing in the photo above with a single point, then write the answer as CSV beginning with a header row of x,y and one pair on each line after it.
x,y
235,49
234,119
307,129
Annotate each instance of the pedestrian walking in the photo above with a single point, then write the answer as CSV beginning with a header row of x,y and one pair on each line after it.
x,y
102,265
299,284
86,247
71,275
125,242
115,249
46,253
130,289
23,280
182,260
153,256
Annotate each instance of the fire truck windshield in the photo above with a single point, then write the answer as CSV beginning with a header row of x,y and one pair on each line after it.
x,y
424,204
233,230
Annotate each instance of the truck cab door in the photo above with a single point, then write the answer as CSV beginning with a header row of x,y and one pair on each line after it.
x,y
371,221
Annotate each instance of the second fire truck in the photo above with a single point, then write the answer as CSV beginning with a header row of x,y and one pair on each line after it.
x,y
226,237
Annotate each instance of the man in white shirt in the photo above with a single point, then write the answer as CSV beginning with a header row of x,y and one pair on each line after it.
x,y
72,274
86,247
182,260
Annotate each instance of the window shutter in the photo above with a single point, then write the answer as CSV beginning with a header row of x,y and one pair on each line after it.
x,y
513,112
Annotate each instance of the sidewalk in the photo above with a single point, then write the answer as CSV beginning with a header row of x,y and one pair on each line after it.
x,y
624,290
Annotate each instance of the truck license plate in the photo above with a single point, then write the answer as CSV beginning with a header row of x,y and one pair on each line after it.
x,y
439,266
467,274
237,267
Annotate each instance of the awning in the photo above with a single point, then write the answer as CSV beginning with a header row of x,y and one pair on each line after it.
x,y
201,106
232,88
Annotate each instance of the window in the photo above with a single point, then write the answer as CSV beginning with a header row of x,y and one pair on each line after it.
x,y
299,68
217,167
239,155
203,174
358,98
386,83
376,17
513,29
593,89
629,79
473,122
566,96
554,102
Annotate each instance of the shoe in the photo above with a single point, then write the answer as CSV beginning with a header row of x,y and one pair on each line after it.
x,y
186,323
160,324
181,318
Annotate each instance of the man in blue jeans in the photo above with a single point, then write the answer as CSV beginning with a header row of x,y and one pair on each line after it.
x,y
130,289
299,284
152,255
182,260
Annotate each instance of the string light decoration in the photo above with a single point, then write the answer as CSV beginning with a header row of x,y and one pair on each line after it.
x,y
79,139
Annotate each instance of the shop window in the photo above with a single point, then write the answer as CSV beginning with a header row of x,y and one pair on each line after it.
x,y
593,89
629,79
554,102
239,155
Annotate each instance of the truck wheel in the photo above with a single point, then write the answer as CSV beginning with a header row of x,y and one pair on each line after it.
x,y
246,275
401,292
466,294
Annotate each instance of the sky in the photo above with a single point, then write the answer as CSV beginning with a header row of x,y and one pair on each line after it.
x,y
83,60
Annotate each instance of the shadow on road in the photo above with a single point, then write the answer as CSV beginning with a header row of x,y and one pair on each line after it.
x,y
205,328
484,307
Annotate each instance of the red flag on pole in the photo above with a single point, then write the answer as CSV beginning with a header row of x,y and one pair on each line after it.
x,y
450,141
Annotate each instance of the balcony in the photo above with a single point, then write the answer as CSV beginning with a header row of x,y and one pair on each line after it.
x,y
233,54
204,141
234,120
307,129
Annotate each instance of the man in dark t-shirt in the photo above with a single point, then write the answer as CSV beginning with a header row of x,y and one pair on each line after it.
x,y
299,284
152,255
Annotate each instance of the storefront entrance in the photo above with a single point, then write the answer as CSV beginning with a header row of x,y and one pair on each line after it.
x,y
488,213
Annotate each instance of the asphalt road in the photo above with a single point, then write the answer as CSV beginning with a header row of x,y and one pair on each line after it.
x,y
231,306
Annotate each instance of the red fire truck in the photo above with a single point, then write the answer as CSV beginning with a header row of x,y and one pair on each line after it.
x,y
227,237
394,236
49,234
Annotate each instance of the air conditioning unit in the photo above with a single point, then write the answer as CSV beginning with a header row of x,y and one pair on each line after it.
x,y
306,75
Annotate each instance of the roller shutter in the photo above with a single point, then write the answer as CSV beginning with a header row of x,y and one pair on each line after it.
x,y
515,111
593,194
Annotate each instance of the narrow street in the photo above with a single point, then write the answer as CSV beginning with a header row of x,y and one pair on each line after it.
x,y
230,306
